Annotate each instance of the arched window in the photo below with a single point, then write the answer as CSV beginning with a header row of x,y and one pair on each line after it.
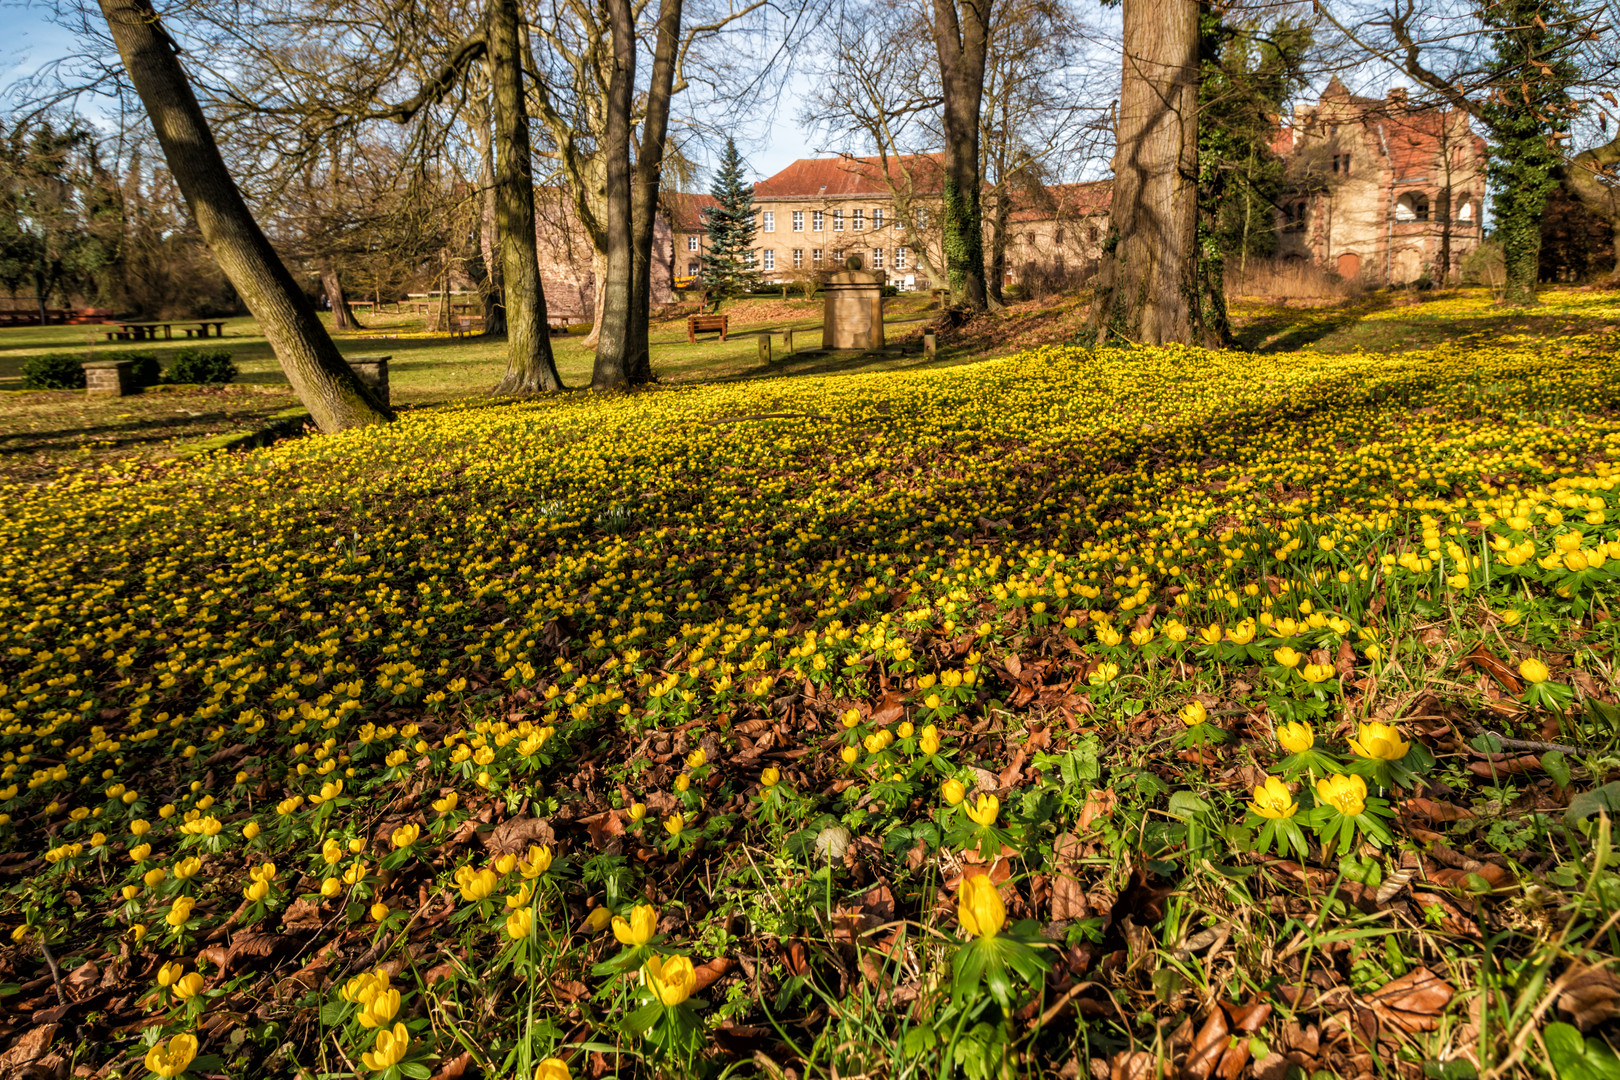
x,y
1465,210
1412,206
1093,233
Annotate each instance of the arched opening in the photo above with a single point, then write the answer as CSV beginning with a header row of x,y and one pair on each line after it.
x,y
1413,206
1465,210
1349,265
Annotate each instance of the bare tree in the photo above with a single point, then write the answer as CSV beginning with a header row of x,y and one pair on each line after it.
x,y
334,396
962,40
1147,280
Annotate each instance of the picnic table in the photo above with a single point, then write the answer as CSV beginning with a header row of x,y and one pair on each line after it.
x,y
147,331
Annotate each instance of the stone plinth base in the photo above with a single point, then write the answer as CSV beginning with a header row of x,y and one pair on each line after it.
x,y
853,312
373,371
109,378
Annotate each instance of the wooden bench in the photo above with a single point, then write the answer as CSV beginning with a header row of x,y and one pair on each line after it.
x,y
701,324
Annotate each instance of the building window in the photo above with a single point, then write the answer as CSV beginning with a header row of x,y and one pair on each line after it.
x,y
770,259
1294,217
922,217
1465,212
798,258
1341,164
815,220
748,259
1057,238
860,221
691,269
770,222
1093,234
877,219
691,243
899,258
838,221
798,221
1412,207
877,258
815,256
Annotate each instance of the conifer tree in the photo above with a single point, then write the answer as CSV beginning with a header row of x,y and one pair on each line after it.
x,y
727,268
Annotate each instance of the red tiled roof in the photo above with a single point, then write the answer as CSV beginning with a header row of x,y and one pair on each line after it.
x,y
1415,137
1064,201
685,209
813,178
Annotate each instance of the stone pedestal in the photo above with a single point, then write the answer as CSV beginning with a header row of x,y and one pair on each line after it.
x,y
853,309
109,378
373,371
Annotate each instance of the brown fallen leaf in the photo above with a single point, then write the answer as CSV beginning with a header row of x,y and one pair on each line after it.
x,y
1590,995
891,708
1434,810
1510,767
708,973
1344,664
1068,895
1480,659
1099,805
1413,1002
456,1067
1131,1065
513,836
1207,1047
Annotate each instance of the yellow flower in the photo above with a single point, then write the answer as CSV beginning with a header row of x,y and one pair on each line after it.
x,y
984,810
379,911
1272,799
1382,742
1296,737
671,979
676,822
639,928
682,782
537,862
250,830
695,759
1534,671
1317,673
189,986
187,868
505,863
1193,713
598,919
446,804
139,827
257,891
978,906
553,1069
139,852
637,811
953,790
928,742
171,1058
138,932
331,887
170,973
1348,794
405,835
849,754
770,777
389,1050
1287,657
331,851
180,912
476,885
1211,634
518,924
379,1007
154,877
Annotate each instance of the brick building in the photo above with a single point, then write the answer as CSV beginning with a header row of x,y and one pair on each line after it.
x,y
1381,191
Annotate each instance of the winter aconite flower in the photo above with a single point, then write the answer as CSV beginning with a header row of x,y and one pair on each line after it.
x,y
553,1069
405,835
1534,671
1347,794
671,979
518,923
983,812
1193,713
389,1050
953,790
978,906
1295,737
1382,742
171,1058
1272,799
639,928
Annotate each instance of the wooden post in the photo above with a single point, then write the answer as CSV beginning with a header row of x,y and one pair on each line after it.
x,y
787,342
930,344
765,349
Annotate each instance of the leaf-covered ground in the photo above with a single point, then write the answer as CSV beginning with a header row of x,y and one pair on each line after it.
x,y
884,725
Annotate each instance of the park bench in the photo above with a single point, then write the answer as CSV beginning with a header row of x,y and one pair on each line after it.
x,y
702,324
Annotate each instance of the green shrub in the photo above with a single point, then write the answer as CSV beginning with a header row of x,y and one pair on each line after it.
x,y
143,367
203,367
53,371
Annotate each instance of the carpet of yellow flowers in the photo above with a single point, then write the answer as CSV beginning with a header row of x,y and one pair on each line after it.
x,y
1101,714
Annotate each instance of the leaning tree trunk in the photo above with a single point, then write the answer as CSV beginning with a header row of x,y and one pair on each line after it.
x,y
342,315
488,236
962,42
648,182
530,367
336,399
613,344
1147,281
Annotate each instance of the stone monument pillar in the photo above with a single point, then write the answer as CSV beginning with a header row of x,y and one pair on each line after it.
x,y
854,309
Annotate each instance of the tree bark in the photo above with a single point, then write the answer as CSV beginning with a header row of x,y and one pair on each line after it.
x,y
530,367
488,235
613,346
1148,277
1600,198
336,399
648,183
343,317
962,42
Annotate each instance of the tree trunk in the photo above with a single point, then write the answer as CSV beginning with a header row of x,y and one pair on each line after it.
x,y
530,367
598,297
489,240
648,183
336,399
1600,198
342,315
1148,277
611,370
962,41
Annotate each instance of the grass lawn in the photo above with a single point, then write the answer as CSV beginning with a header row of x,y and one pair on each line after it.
x,y
1115,713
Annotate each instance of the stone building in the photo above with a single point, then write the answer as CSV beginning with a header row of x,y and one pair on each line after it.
x,y
818,211
1380,191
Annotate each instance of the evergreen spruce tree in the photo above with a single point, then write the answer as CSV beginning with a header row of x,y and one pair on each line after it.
x,y
1528,109
727,268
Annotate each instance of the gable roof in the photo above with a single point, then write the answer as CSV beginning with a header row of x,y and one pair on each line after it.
x,y
846,175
